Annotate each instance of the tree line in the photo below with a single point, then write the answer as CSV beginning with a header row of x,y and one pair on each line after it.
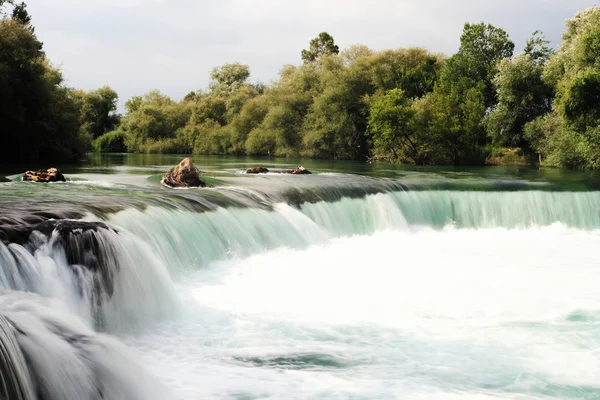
x,y
404,105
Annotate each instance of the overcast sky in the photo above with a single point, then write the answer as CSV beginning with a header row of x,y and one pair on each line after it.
x,y
171,45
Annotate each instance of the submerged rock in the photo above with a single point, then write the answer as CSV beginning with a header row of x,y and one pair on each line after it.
x,y
257,170
44,175
185,174
300,170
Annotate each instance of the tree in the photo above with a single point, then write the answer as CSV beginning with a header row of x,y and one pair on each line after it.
x,y
522,95
414,70
98,111
537,48
575,73
288,102
452,121
320,46
39,116
336,122
481,49
392,128
355,52
228,78
155,123
21,15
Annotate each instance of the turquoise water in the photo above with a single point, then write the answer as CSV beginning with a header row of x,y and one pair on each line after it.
x,y
361,281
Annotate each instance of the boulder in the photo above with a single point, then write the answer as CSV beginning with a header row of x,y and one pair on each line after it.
x,y
185,174
300,170
44,175
257,170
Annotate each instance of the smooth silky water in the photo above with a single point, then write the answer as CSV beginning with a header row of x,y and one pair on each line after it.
x,y
358,282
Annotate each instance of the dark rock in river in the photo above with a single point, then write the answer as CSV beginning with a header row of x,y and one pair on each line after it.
x,y
183,175
44,175
84,243
257,170
300,170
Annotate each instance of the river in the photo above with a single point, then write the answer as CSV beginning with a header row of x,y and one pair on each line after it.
x,y
360,281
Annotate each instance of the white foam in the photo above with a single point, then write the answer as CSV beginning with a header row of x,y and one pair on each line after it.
x,y
458,314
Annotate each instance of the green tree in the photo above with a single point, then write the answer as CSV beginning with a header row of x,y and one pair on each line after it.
x,y
21,15
336,121
320,46
393,130
575,72
482,46
556,146
288,102
414,70
39,116
155,123
452,122
537,48
98,111
228,78
522,97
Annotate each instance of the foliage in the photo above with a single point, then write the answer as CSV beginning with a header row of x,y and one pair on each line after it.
x,y
39,116
400,105
537,48
556,146
228,78
482,46
320,46
522,97
393,130
111,142
97,111
575,73
453,122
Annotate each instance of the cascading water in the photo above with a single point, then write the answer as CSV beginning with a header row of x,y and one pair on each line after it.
x,y
330,286
98,273
49,355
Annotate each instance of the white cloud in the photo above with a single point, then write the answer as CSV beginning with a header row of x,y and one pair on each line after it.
x,y
171,45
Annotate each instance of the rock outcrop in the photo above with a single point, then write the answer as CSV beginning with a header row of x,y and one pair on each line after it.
x,y
257,170
300,170
44,175
184,175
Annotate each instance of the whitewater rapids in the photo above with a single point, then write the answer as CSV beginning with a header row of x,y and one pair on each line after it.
x,y
332,286
412,314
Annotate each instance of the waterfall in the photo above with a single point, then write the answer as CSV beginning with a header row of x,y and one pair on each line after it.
x,y
190,240
46,354
67,275
109,278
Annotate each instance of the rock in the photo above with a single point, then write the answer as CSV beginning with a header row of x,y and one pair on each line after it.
x,y
44,175
257,170
300,170
185,174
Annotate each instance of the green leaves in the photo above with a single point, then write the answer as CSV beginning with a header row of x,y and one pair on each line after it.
x,y
481,49
522,95
320,46
40,118
392,128
228,78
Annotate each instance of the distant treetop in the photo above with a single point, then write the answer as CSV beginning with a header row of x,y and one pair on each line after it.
x,y
320,46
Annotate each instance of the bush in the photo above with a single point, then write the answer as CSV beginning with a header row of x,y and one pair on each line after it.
x,y
111,142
